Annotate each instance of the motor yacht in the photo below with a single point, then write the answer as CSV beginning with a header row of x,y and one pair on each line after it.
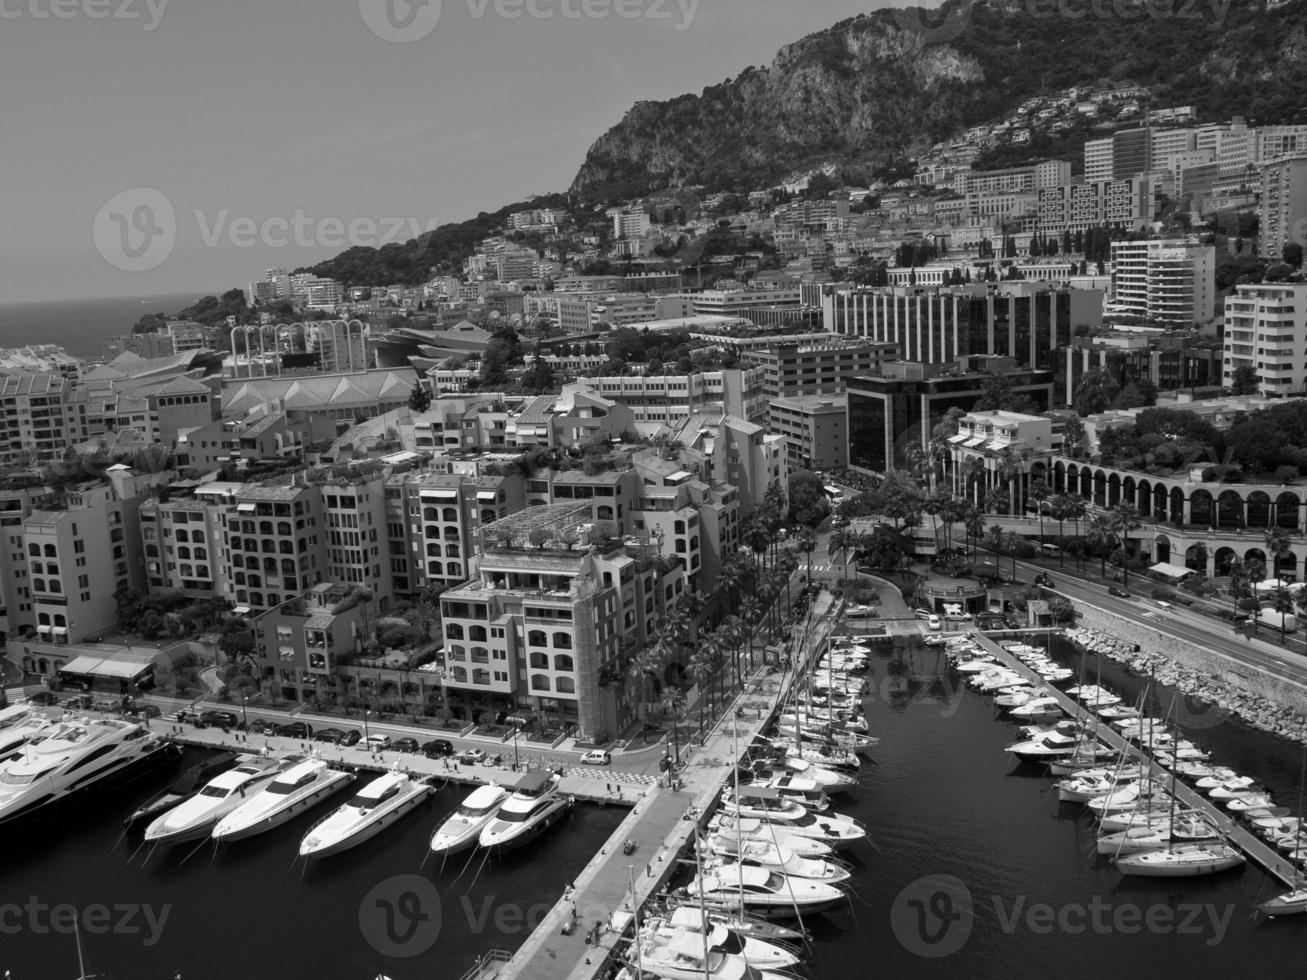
x,y
1045,747
378,805
834,829
196,817
766,892
183,789
462,828
760,954
292,792
61,759
1186,827
535,805
1232,788
1090,784
22,731
829,780
680,956
1038,709
804,791
781,859
729,835
1126,798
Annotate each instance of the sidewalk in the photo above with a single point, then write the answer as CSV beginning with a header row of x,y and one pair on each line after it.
x,y
660,828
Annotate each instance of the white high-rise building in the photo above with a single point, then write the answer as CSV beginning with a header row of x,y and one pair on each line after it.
x,y
1284,204
1169,281
1098,160
1266,329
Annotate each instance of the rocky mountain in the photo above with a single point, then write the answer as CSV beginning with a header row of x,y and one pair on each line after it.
x,y
874,90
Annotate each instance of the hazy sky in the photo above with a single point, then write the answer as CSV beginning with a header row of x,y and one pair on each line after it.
x,y
269,109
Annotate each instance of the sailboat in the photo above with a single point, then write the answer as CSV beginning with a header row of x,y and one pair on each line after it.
x,y
1294,901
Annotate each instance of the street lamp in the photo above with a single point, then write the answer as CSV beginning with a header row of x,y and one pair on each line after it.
x,y
245,722
516,730
367,710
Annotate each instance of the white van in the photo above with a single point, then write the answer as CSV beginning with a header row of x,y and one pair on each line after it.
x,y
1051,550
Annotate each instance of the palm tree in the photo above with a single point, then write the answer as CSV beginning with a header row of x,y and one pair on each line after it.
x,y
750,610
1100,537
996,540
1076,509
1277,545
1282,602
1039,493
973,472
673,705
701,669
806,541
1009,471
643,667
974,521
1124,519
1012,542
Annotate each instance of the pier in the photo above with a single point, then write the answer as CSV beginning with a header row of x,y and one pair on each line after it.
x,y
1257,850
661,825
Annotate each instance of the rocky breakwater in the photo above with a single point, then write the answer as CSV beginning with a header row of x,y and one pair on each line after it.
x,y
1216,694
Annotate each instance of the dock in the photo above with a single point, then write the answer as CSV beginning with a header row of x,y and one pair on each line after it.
x,y
1256,849
661,825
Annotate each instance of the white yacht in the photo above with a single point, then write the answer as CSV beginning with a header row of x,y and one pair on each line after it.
x,y
731,835
680,956
1182,861
1038,709
804,791
196,817
833,829
462,828
536,804
780,859
291,793
22,731
60,759
1090,784
759,954
1044,747
830,780
376,806
766,892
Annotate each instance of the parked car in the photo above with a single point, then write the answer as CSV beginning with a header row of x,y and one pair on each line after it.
x,y
261,726
351,737
332,735
921,612
217,719
406,745
376,742
437,748
145,711
597,757
933,624
472,757
294,729
43,698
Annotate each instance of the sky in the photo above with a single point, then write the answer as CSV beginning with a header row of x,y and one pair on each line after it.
x,y
165,146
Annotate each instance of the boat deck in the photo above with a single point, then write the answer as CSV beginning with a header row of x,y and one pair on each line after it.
x,y
1256,849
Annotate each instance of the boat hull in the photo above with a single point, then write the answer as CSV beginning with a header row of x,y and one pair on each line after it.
x,y
364,834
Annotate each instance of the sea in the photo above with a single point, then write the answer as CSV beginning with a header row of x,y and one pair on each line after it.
x,y
83,327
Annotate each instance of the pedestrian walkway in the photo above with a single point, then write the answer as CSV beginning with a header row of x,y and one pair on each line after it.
x,y
660,826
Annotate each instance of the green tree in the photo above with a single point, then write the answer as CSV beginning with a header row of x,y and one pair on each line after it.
x,y
1125,519
1095,393
419,399
1100,537
1245,380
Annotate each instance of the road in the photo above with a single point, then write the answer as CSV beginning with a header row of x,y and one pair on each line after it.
x,y
1179,622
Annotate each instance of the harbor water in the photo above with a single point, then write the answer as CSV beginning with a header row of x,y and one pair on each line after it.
x,y
979,872
252,910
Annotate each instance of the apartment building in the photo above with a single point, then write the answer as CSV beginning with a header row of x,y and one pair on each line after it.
x,y
16,501
183,543
548,627
816,430
1026,321
739,302
1266,329
261,435
275,544
1125,202
740,454
1168,281
1098,161
82,547
1049,173
300,645
631,224
1169,361
1283,206
35,415
670,398
793,369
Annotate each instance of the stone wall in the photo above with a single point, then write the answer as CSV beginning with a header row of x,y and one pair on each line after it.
x,y
1261,698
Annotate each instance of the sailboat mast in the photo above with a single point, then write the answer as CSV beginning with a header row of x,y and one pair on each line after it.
x,y
703,905
635,910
